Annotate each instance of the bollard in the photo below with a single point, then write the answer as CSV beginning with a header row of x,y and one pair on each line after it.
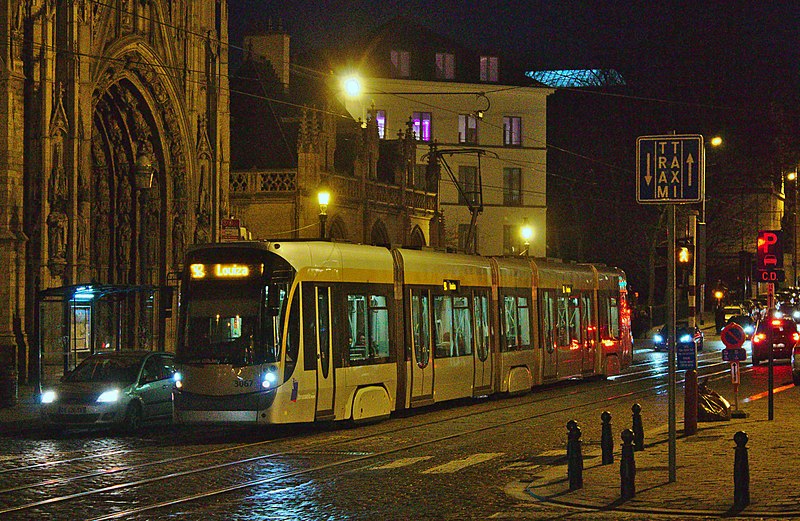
x,y
574,456
627,467
606,439
741,472
638,430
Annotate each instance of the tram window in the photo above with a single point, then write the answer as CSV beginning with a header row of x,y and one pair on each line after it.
x,y
293,337
524,323
420,326
481,306
443,334
368,318
462,329
574,321
563,321
608,317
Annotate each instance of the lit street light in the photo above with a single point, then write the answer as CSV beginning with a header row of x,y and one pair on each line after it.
x,y
527,234
323,197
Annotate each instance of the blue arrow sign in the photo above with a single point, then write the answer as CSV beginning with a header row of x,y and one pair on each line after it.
x,y
669,169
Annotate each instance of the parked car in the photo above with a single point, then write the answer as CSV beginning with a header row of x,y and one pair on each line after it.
x,y
796,365
746,321
114,388
685,334
781,333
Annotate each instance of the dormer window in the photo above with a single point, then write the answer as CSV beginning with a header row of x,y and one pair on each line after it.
x,y
399,63
489,69
445,66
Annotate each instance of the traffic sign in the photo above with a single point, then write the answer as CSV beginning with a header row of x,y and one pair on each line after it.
x,y
736,354
669,169
732,335
769,256
686,355
735,373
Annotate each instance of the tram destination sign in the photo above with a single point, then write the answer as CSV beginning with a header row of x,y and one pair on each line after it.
x,y
669,169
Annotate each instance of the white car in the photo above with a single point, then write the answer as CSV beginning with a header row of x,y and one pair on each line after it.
x,y
115,388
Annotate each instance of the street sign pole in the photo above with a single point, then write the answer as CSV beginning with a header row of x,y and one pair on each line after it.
x,y
672,341
770,377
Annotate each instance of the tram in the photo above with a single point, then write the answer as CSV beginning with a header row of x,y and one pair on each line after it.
x,y
304,331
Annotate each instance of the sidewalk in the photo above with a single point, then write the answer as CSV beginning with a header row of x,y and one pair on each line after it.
x,y
704,469
22,417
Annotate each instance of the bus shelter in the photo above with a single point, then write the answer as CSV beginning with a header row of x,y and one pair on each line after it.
x,y
76,321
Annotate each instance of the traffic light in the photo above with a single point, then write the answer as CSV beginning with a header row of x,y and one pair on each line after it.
x,y
684,254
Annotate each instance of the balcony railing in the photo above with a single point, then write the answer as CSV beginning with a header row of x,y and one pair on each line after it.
x,y
346,188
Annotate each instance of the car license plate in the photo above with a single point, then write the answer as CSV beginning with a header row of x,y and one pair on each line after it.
x,y
72,409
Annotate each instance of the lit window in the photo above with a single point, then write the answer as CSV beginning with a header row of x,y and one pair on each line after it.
x,y
400,63
380,119
489,69
421,126
445,66
512,186
467,129
512,131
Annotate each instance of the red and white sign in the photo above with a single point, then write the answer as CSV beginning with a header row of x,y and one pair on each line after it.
x,y
229,230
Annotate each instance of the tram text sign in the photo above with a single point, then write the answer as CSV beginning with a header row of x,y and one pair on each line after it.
x,y
669,169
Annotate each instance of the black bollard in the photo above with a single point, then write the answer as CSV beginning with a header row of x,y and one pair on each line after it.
x,y
607,439
627,467
638,430
741,472
574,456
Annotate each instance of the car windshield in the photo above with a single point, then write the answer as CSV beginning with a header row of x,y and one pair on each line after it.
x,y
105,369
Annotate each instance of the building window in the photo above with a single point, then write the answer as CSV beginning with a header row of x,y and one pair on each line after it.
x,y
467,129
512,131
421,126
489,69
400,63
512,186
468,180
445,66
380,119
510,239
463,245
419,182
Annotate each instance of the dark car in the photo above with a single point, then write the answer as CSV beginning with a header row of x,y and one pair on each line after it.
x,y
781,333
685,334
117,388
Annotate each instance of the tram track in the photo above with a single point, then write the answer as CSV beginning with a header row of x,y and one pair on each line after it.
x,y
350,457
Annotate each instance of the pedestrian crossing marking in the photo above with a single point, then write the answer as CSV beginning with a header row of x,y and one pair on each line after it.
x,y
455,466
402,462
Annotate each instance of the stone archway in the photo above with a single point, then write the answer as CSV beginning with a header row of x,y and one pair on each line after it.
x,y
338,230
417,238
379,236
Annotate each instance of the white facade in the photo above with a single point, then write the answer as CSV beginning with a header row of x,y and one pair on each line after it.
x,y
506,205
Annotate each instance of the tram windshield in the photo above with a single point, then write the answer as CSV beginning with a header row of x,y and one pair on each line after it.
x,y
237,325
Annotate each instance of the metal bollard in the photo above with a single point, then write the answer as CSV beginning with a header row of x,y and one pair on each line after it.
x,y
627,467
741,472
638,429
606,439
574,456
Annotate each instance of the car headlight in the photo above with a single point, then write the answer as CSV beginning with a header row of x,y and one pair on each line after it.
x,y
109,396
270,379
658,339
749,330
49,396
685,339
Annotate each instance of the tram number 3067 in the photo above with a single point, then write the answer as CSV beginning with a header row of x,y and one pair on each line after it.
x,y
243,383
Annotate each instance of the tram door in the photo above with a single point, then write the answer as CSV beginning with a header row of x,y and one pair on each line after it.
x,y
483,358
325,384
587,327
421,368
547,321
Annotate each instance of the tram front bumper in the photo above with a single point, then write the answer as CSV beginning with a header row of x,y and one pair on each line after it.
x,y
191,408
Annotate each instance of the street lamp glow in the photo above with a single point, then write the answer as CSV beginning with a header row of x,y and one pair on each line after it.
x,y
323,197
352,86
527,233
716,141
791,176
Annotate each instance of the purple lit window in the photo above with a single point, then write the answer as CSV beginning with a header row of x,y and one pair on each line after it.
x,y
400,63
380,119
489,69
422,126
512,131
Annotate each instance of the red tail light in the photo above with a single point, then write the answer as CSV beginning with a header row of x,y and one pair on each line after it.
x,y
776,322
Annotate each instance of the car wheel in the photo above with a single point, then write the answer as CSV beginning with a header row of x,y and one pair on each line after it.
x,y
796,378
756,360
132,421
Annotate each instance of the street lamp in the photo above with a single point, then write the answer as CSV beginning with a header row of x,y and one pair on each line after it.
x,y
527,234
323,197
792,176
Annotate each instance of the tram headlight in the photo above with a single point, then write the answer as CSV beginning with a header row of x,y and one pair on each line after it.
x,y
49,396
178,379
270,379
658,339
109,396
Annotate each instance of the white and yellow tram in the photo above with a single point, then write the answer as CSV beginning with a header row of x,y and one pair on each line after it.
x,y
300,331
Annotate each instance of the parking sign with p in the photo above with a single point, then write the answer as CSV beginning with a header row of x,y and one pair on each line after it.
x,y
769,256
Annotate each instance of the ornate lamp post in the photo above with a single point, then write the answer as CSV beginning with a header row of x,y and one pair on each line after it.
x,y
323,197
